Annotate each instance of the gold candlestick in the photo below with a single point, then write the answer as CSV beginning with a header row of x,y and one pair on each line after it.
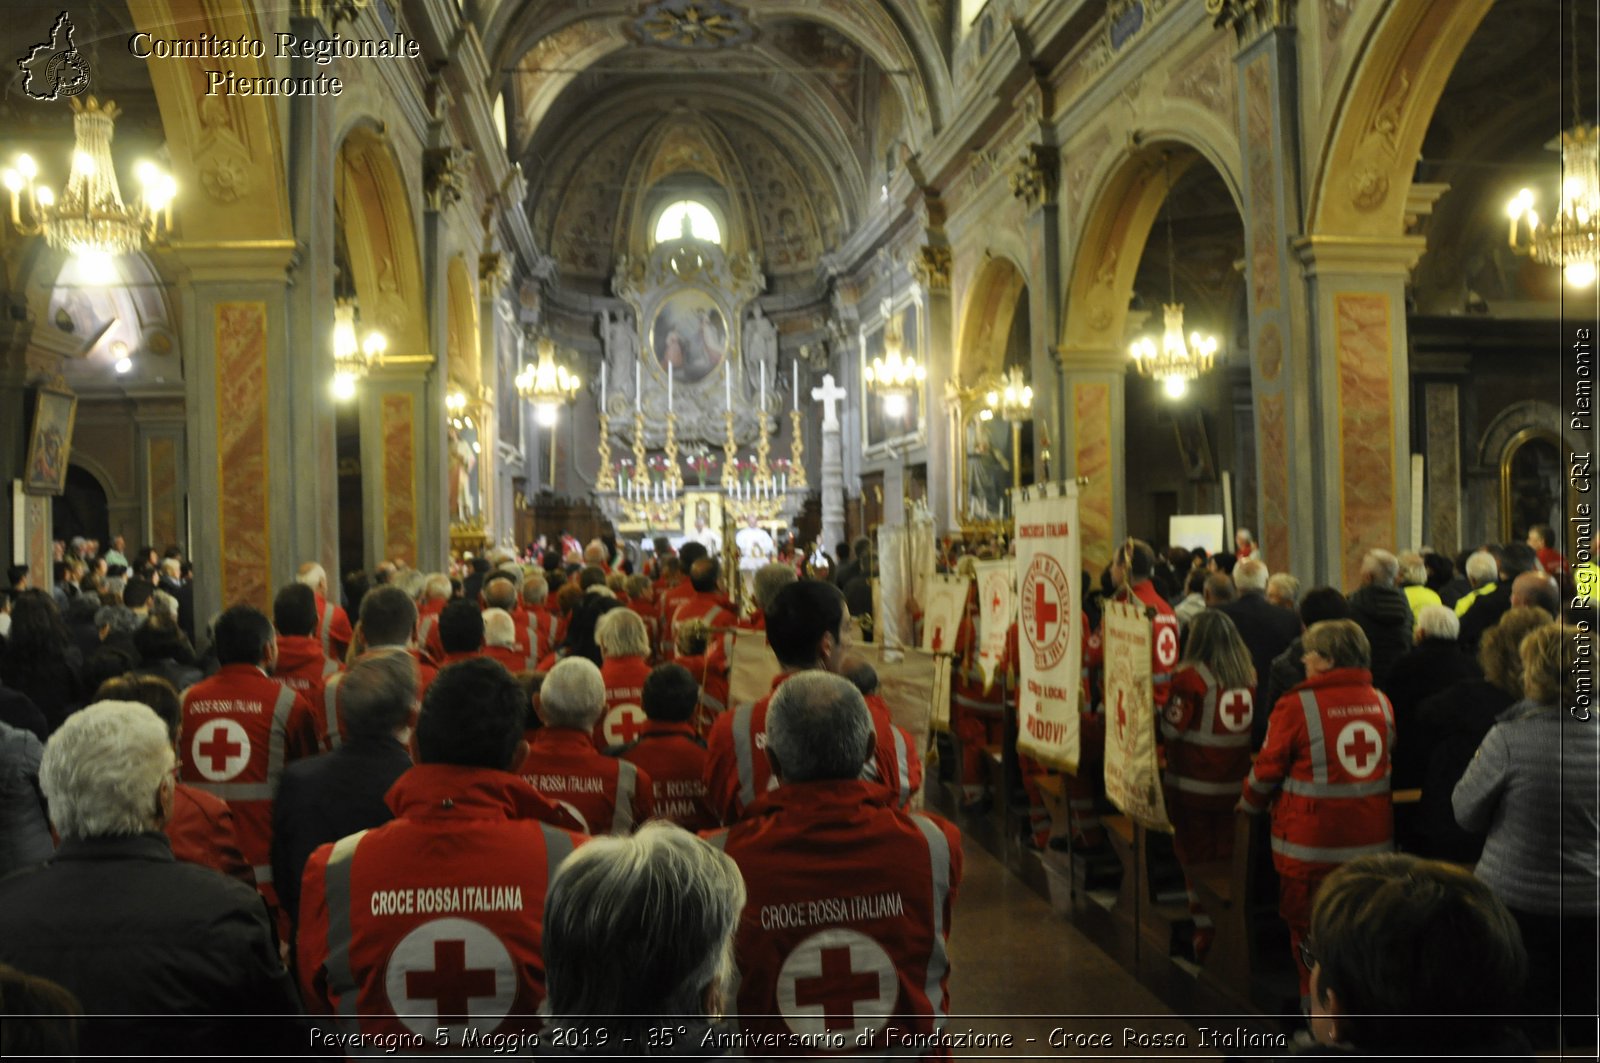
x,y
797,449
674,476
605,481
763,450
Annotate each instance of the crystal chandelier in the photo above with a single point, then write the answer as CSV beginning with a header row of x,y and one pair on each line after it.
x,y
1178,360
90,221
1572,239
1011,399
894,373
547,384
353,357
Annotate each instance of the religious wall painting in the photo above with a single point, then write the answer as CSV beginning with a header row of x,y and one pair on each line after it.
x,y
1533,470
689,334
880,428
50,442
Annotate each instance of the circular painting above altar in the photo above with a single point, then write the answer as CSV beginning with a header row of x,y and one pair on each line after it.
x,y
690,335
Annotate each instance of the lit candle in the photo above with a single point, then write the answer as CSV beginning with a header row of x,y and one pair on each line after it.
x,y
763,387
635,387
602,387
727,385
669,387
796,393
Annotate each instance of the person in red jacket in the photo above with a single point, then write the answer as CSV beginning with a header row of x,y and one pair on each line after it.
x,y
1327,751
642,600
301,662
764,586
606,795
333,625
669,751
845,933
200,828
805,628
678,593
543,620
460,632
239,730
705,602
388,619
624,666
436,594
433,921
1205,730
500,642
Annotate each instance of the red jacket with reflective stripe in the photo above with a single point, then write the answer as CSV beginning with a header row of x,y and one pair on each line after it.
x,y
428,628
201,831
303,666
738,772
605,795
712,607
331,729
1327,750
848,914
1206,731
514,659
239,730
623,720
333,628
674,759
437,914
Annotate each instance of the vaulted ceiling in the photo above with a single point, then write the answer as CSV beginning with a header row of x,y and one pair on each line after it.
x,y
788,115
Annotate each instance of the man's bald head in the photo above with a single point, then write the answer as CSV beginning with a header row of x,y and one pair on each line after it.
x,y
1536,588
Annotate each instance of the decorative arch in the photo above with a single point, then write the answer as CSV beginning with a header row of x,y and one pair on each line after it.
x,y
381,236
225,150
1361,176
994,300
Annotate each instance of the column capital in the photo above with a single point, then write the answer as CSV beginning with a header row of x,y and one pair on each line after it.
x,y
1251,19
931,267
1077,360
1394,256
1034,176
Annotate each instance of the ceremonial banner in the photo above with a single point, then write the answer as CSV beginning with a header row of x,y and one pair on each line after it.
x,y
909,684
891,622
1051,642
942,611
751,667
1133,776
997,611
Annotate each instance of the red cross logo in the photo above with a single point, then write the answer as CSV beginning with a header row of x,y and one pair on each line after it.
x,y
624,724
220,750
1122,717
1044,612
451,984
1236,708
836,990
938,639
1166,645
451,973
1359,748
1044,594
837,981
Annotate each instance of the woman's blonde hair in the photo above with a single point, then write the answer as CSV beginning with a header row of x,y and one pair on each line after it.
x,y
1342,642
1549,656
1498,653
1214,642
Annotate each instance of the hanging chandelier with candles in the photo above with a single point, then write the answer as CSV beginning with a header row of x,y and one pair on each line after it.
x,y
1011,398
895,373
354,356
89,220
1178,359
1571,240
547,383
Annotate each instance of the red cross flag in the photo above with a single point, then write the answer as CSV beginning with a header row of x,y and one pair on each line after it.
x,y
1132,773
997,611
1050,639
451,973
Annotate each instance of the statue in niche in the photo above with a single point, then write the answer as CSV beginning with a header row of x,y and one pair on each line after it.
x,y
621,340
760,349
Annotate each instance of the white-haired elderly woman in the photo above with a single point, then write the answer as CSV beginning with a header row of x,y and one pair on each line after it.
x,y
1435,662
624,643
638,945
133,933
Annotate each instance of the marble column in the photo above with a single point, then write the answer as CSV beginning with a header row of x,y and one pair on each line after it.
x,y
427,384
1440,377
394,429
1035,185
161,442
1093,393
932,270
241,473
1281,372
1361,411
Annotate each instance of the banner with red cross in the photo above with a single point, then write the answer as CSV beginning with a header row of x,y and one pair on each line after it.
x,y
942,612
1133,776
1049,625
997,611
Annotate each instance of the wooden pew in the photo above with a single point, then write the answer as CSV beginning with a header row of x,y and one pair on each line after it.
x,y
1224,887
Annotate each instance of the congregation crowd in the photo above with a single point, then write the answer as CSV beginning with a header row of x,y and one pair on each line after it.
x,y
516,804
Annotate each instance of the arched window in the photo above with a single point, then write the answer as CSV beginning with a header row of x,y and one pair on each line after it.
x,y
687,217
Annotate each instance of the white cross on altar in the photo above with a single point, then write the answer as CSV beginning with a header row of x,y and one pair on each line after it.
x,y
830,394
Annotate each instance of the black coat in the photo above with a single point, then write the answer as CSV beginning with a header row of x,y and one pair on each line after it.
x,y
18,710
1446,731
1385,617
1484,614
1286,672
163,947
322,799
1431,666
1266,629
